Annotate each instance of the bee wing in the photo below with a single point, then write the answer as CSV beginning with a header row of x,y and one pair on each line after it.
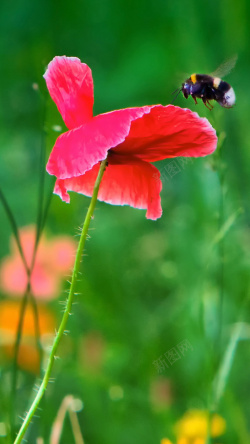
x,y
225,67
180,77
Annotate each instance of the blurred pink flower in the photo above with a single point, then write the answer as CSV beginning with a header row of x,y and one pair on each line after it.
x,y
54,260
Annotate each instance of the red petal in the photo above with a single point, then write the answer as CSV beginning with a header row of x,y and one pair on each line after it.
x,y
136,183
169,131
70,85
79,150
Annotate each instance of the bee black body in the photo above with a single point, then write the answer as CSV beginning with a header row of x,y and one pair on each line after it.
x,y
209,88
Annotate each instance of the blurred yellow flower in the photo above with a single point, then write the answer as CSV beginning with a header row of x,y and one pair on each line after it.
x,y
182,441
195,424
193,427
165,441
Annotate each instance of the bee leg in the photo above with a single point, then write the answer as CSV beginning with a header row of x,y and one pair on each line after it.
x,y
206,103
211,106
195,100
208,107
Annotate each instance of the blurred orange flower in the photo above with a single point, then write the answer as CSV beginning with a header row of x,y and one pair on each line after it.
x,y
54,259
28,355
92,351
161,393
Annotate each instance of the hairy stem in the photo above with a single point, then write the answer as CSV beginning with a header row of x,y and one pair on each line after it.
x,y
67,311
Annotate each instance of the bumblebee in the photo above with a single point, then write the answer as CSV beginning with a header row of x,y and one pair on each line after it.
x,y
211,87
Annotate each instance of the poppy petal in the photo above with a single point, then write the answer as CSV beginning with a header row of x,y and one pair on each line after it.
x,y
169,131
77,151
70,85
136,183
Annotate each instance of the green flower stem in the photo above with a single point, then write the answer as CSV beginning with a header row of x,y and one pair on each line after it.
x,y
13,225
67,310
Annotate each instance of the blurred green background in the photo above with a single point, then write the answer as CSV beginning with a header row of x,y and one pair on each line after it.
x,y
146,286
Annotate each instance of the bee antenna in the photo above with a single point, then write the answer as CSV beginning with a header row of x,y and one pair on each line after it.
x,y
178,89
176,95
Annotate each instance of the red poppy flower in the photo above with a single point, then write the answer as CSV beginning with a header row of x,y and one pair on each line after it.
x,y
131,138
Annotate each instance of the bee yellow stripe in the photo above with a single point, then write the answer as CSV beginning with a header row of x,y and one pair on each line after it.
x,y
193,78
216,82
